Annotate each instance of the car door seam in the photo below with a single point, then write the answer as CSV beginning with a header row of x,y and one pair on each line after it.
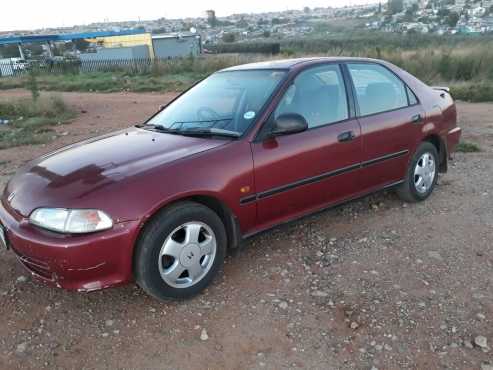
x,y
317,178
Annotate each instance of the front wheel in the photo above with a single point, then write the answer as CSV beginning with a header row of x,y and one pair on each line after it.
x,y
180,251
421,175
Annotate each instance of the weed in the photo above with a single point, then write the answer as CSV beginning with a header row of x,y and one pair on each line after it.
x,y
30,120
467,147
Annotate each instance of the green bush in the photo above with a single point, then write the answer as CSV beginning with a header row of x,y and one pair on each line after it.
x,y
466,147
480,92
29,120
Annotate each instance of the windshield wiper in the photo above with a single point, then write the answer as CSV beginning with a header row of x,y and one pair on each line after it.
x,y
209,131
195,131
158,128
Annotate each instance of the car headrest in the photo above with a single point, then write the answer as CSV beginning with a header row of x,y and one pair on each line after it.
x,y
380,89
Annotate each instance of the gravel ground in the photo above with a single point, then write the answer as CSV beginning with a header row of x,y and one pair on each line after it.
x,y
374,284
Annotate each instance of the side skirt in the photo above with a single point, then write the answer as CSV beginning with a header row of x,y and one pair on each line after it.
x,y
323,208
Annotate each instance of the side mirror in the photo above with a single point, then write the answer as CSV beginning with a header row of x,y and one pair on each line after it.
x,y
288,123
161,107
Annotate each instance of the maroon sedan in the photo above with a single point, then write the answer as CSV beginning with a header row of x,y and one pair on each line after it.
x,y
246,149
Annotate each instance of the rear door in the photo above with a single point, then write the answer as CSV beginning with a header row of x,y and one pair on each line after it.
x,y
391,119
297,173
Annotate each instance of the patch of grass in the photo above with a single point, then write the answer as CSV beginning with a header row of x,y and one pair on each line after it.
x,y
473,92
108,82
463,63
467,147
29,120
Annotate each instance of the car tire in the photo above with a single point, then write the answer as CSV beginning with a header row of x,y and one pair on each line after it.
x,y
170,260
421,175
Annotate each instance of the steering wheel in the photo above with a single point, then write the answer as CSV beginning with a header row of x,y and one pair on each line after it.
x,y
207,114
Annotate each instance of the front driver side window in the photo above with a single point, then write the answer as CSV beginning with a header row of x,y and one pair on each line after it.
x,y
318,94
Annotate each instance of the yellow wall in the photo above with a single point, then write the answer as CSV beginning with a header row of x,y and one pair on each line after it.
x,y
125,41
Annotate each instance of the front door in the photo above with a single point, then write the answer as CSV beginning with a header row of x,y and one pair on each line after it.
x,y
298,173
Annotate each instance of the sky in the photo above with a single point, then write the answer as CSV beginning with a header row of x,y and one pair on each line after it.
x,y
34,14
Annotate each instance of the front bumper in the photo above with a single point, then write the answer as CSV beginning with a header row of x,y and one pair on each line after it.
x,y
76,262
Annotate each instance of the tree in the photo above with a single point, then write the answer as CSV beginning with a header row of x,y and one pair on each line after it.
x,y
452,19
409,15
32,84
242,23
266,34
229,37
396,6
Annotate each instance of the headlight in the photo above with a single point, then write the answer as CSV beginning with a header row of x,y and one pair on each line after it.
x,y
74,221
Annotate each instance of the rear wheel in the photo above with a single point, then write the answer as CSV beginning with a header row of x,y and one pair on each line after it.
x,y
180,251
422,174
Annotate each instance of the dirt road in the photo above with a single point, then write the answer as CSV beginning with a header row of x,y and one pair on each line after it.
x,y
372,284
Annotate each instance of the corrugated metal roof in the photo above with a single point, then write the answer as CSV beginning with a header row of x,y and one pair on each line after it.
x,y
174,36
66,36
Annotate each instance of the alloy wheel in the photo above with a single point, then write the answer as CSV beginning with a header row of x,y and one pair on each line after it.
x,y
424,173
187,254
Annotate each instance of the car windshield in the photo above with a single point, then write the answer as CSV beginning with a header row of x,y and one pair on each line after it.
x,y
226,103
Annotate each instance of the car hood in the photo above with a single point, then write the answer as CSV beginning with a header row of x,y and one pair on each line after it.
x,y
67,176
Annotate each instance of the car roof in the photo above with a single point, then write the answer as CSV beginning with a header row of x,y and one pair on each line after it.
x,y
290,63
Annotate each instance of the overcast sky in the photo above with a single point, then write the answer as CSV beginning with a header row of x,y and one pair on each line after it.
x,y
33,14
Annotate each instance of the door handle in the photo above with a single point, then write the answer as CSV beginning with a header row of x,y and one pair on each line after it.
x,y
346,136
417,118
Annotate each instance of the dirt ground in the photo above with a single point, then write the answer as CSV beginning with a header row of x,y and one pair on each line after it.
x,y
374,284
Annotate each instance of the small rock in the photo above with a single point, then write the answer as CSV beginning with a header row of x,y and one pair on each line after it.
x,y
486,367
468,344
109,322
354,325
21,348
480,316
104,335
21,279
435,255
481,341
283,305
203,335
319,293
378,347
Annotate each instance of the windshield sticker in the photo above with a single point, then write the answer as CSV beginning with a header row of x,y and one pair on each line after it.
x,y
249,115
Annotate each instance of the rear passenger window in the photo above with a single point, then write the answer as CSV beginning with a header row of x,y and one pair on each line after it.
x,y
377,89
318,94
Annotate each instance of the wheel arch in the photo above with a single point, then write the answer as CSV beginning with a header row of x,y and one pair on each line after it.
x,y
227,216
441,148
